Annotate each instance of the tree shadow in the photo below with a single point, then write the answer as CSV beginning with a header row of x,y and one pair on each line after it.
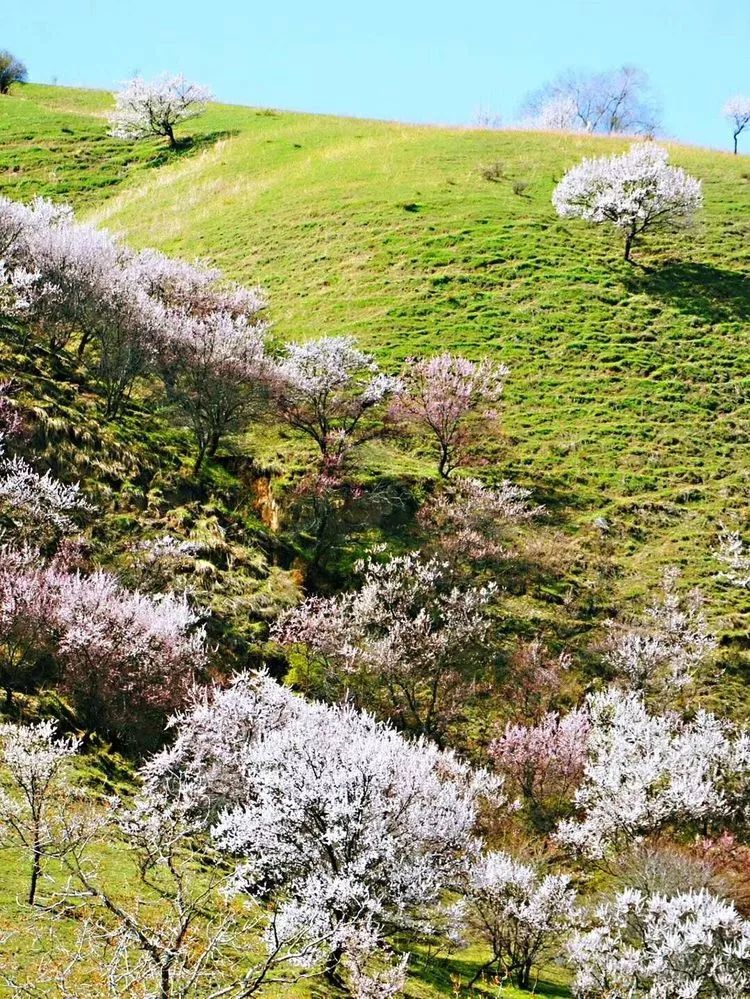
x,y
192,144
711,293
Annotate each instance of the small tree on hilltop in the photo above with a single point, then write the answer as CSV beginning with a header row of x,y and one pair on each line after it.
x,y
12,70
155,107
614,101
737,112
636,192
442,394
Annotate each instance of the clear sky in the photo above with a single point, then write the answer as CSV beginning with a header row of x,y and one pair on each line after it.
x,y
411,60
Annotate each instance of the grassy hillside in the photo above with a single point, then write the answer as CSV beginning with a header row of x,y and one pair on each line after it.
x,y
629,391
628,398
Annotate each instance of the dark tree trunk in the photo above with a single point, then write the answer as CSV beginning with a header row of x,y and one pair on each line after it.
x,y
36,867
165,988
332,968
199,459
443,464
85,337
524,976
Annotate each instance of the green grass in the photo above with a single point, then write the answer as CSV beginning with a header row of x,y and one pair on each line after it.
x,y
629,390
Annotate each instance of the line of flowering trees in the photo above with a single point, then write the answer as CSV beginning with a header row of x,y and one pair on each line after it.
x,y
144,314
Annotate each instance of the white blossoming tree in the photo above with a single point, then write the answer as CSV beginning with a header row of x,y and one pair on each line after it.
x,y
34,760
692,945
661,650
214,369
520,912
39,506
340,822
734,554
636,192
737,112
155,107
644,772
407,644
325,388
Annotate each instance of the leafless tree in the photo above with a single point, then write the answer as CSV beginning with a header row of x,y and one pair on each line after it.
x,y
613,101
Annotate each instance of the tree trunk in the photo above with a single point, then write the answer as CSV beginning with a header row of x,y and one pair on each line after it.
x,y
628,244
524,976
85,337
443,469
170,136
332,967
199,459
165,987
735,142
36,868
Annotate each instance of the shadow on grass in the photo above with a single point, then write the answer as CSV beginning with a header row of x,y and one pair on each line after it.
x,y
450,976
711,293
192,144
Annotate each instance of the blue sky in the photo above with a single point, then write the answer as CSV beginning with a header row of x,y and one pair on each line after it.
x,y
411,60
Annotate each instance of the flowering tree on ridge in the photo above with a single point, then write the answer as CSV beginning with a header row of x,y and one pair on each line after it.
x,y
636,192
144,108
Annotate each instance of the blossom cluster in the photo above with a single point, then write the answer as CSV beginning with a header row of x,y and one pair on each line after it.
x,y
346,823
406,632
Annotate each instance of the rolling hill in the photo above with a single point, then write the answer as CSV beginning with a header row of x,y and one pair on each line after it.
x,y
627,411
628,398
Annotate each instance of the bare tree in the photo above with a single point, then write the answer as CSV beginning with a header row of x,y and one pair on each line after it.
x,y
614,101
183,935
737,112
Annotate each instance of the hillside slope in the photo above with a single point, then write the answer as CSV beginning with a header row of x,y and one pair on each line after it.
x,y
628,398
